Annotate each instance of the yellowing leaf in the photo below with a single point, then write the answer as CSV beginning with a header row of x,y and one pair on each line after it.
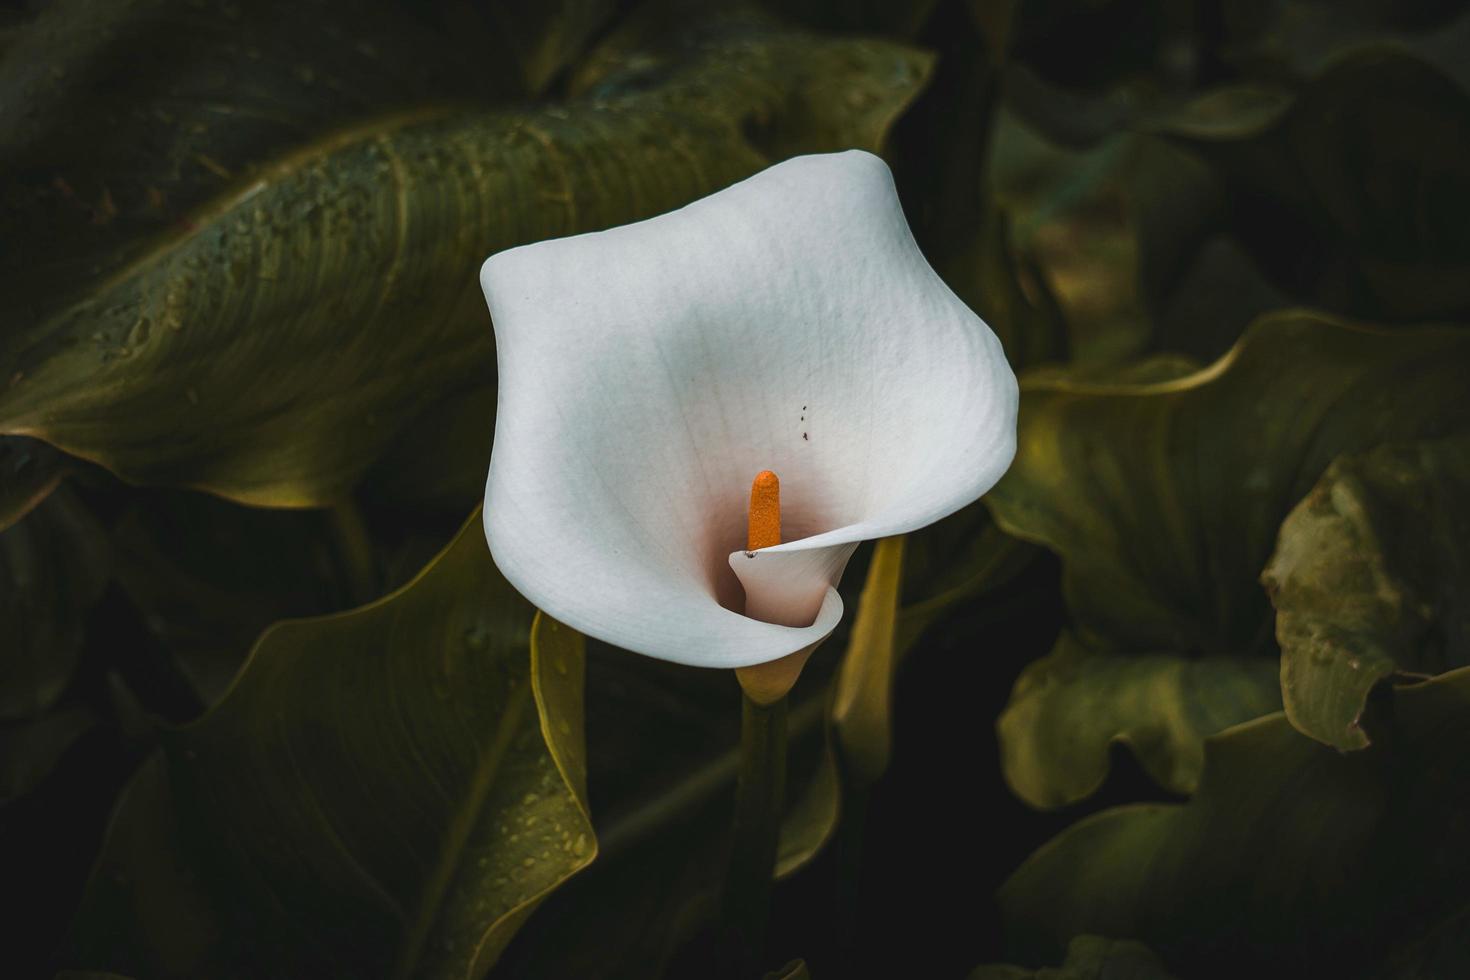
x,y
1369,579
862,705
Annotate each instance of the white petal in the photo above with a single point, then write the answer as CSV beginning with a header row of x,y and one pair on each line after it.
x,y
648,372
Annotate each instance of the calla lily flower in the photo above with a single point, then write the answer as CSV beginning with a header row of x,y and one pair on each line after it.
x,y
787,323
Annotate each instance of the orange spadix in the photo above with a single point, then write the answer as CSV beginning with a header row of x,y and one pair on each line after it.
x,y
767,683
764,527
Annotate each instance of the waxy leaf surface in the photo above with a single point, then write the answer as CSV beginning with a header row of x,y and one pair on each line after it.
x,y
385,791
1163,500
272,342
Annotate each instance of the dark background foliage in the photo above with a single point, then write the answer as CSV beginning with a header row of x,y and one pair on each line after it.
x,y
1227,248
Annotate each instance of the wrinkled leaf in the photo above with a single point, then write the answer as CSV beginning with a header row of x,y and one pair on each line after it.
x,y
1163,500
53,568
1369,579
388,790
1068,708
1292,860
273,346
1088,958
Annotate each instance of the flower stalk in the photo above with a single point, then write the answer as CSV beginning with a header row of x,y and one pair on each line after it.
x,y
759,799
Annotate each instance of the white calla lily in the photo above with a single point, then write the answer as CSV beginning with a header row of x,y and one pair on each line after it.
x,y
649,372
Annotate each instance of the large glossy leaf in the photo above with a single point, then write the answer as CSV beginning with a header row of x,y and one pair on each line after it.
x,y
273,344
1088,958
53,568
1369,579
1163,501
1068,708
663,746
123,119
387,791
1292,860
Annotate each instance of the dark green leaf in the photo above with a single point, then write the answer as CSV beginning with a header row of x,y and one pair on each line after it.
x,y
1163,500
271,348
1356,198
386,791
1370,579
123,120
1068,708
1292,860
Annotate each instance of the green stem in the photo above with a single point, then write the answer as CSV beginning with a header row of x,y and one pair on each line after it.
x,y
758,801
355,551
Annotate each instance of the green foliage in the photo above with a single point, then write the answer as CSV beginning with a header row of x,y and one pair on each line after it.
x,y
399,784
220,357
1292,858
1068,708
1163,500
1224,246
1369,580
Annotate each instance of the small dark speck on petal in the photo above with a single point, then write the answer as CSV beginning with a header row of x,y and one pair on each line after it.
x,y
750,554
805,437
